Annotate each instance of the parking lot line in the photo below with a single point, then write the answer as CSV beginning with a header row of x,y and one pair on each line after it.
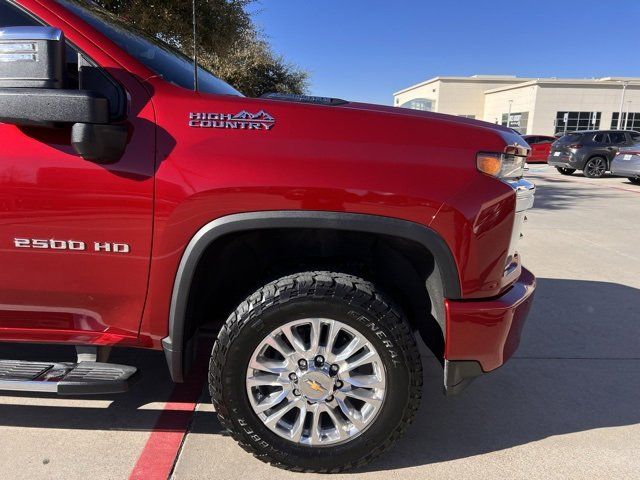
x,y
163,446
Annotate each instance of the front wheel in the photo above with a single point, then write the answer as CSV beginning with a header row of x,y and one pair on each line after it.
x,y
595,167
635,180
316,372
566,171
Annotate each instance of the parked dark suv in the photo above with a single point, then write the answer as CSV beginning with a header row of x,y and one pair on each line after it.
x,y
589,151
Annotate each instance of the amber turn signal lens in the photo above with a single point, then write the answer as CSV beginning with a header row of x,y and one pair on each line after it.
x,y
491,164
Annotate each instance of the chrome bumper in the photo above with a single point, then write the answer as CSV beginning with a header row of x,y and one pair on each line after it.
x,y
525,197
525,194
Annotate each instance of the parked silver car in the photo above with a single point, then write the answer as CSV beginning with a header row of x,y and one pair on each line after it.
x,y
627,163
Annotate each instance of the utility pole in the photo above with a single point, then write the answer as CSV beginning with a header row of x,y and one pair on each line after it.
x,y
624,90
626,117
509,114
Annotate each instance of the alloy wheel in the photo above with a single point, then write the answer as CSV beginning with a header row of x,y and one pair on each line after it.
x,y
596,167
316,381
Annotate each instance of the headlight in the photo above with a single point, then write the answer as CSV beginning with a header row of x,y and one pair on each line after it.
x,y
501,165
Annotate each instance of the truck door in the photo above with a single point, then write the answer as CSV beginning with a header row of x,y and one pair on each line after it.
x,y
75,235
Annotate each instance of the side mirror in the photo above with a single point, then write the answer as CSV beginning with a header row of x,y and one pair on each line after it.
x,y
32,93
32,81
48,107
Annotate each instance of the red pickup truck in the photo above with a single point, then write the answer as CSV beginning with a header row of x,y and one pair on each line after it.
x,y
318,237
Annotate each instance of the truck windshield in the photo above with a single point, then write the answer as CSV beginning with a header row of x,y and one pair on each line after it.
x,y
156,55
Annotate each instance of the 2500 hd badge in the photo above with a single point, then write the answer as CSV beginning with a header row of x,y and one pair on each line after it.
x,y
74,245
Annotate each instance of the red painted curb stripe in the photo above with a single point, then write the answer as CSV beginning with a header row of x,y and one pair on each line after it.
x,y
163,446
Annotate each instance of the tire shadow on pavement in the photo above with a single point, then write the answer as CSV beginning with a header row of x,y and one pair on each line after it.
x,y
577,369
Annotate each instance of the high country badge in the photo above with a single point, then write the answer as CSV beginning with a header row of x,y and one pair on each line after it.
x,y
243,120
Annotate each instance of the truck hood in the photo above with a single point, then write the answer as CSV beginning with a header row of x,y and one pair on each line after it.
x,y
509,136
338,105
422,114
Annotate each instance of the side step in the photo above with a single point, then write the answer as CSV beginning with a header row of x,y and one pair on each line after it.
x,y
84,378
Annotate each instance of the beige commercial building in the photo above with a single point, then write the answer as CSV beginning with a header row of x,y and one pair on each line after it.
x,y
542,106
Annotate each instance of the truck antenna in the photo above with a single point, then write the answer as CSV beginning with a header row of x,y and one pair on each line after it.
x,y
195,48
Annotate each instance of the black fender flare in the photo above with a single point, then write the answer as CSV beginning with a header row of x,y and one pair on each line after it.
x,y
174,344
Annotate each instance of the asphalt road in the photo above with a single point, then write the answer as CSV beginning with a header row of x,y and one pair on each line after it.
x,y
567,406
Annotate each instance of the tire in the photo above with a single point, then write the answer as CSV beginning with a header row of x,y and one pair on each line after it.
x,y
335,299
566,171
595,167
635,180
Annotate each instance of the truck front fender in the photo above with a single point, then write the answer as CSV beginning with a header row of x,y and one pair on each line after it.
x,y
176,346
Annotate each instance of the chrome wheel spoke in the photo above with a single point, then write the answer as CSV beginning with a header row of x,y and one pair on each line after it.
x,y
270,366
365,395
352,347
364,381
271,401
338,424
332,333
275,417
296,342
279,345
298,427
314,335
362,359
314,437
349,412
267,381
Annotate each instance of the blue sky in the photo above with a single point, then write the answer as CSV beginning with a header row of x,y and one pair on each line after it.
x,y
367,49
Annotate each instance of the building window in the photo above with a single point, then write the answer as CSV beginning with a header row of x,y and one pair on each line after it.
x,y
419,104
574,121
631,123
472,117
517,120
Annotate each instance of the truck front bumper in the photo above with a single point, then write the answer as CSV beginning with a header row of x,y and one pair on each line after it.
x,y
483,334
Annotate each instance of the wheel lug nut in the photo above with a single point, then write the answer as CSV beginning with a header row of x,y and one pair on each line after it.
x,y
293,377
302,364
329,398
319,360
334,369
339,384
296,392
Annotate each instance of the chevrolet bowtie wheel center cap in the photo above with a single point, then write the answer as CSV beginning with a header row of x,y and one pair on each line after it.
x,y
316,386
